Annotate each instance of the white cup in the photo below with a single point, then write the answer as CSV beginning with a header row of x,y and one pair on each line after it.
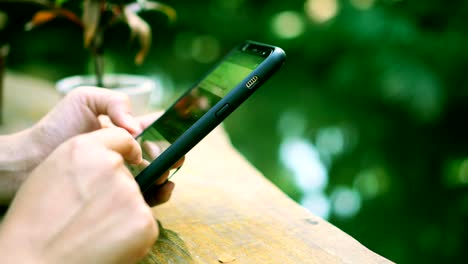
x,y
138,88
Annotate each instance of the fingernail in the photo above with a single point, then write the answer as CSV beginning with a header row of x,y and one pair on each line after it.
x,y
132,124
171,186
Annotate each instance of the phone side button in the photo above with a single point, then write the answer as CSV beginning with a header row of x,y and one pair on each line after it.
x,y
220,113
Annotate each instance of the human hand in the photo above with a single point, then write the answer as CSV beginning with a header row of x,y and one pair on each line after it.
x,y
86,109
81,205
77,113
161,190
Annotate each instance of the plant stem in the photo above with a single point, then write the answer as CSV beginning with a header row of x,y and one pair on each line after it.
x,y
99,57
98,69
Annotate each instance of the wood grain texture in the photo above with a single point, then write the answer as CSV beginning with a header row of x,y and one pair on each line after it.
x,y
222,209
222,206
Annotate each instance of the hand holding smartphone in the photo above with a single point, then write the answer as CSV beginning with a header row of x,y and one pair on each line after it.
x,y
203,107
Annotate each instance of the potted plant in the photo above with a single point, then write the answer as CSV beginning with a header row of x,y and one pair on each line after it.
x,y
95,17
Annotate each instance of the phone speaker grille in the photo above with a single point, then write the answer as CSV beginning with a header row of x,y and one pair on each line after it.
x,y
252,81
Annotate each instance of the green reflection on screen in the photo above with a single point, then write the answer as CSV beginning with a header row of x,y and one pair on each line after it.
x,y
194,104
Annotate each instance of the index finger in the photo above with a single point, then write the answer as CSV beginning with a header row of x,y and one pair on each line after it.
x,y
107,102
147,120
120,141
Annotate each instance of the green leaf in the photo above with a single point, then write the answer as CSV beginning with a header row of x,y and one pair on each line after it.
x,y
60,2
91,18
169,248
140,29
44,16
153,6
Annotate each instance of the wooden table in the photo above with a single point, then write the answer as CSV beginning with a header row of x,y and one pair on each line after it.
x,y
223,210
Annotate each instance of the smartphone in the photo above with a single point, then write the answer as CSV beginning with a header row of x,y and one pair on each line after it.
x,y
204,106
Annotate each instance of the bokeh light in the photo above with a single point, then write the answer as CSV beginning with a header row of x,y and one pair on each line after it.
x,y
205,49
346,202
229,5
362,4
330,141
302,159
292,124
317,203
456,174
321,11
183,45
3,19
288,24
463,172
414,87
372,182
201,48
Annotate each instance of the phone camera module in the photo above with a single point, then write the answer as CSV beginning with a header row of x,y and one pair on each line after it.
x,y
265,53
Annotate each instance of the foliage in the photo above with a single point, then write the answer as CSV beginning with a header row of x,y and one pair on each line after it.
x,y
96,17
169,248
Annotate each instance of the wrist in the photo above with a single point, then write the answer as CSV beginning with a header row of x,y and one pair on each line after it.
x,y
19,156
12,249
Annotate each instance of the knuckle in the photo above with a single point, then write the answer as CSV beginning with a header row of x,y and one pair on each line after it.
x,y
130,187
119,97
113,160
148,238
78,142
120,130
81,91
76,146
145,221
142,214
128,190
122,134
82,148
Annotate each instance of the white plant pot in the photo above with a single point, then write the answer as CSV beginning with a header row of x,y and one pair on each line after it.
x,y
138,88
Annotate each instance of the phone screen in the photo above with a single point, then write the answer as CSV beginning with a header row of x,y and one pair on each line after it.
x,y
195,103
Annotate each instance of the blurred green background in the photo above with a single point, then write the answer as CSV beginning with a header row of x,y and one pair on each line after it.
x,y
364,125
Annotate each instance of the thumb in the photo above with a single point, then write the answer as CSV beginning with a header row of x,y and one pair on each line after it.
x,y
114,104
